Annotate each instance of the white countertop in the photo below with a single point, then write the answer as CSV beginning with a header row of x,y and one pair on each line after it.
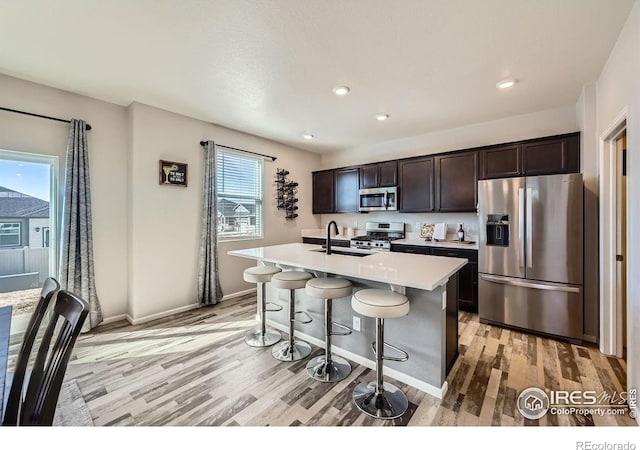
x,y
443,244
403,269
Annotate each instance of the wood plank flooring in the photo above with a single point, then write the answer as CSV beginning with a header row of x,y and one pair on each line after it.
x,y
194,369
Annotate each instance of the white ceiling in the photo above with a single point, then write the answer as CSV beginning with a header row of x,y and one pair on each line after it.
x,y
268,67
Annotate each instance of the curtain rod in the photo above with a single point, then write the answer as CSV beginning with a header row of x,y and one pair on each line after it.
x,y
87,126
273,158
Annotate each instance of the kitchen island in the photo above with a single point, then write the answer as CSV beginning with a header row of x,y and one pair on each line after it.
x,y
428,333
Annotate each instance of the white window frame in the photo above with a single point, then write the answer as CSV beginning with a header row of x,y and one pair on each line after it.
x,y
54,194
19,234
259,199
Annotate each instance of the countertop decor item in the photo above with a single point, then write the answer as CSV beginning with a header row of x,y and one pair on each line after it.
x,y
426,231
440,231
286,190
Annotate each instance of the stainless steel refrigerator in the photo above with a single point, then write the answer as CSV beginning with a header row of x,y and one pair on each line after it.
x,y
530,255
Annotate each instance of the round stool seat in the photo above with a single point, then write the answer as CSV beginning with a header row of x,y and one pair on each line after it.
x,y
260,274
290,279
328,288
380,303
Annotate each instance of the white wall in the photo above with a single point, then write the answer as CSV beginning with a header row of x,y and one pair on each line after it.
x,y
165,220
586,118
107,148
146,235
526,126
618,87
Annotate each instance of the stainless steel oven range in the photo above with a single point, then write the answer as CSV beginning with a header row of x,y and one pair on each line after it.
x,y
379,236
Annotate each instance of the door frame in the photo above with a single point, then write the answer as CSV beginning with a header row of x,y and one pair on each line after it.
x,y
610,306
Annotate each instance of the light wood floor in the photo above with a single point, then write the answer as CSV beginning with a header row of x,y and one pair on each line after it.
x,y
194,369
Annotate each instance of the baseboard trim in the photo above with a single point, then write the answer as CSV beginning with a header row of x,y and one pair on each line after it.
x,y
162,314
112,319
239,294
435,391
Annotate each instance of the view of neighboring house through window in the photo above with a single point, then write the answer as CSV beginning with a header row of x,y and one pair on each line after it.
x,y
239,179
9,233
27,242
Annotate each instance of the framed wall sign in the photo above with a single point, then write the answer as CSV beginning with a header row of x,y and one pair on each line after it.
x,y
174,173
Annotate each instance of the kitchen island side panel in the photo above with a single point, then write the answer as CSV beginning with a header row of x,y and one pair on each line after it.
x,y
421,333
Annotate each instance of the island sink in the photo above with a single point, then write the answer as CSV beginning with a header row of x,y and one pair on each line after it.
x,y
341,252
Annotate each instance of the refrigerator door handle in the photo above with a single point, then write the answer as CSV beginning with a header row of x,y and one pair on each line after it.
x,y
521,226
529,284
529,230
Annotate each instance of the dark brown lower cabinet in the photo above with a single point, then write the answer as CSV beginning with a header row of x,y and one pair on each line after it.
x,y
467,276
467,286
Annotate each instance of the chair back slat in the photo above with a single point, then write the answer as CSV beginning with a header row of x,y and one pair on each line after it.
x,y
12,411
51,362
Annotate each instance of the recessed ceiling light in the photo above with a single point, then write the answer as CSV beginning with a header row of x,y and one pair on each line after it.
x,y
308,136
506,84
382,116
341,90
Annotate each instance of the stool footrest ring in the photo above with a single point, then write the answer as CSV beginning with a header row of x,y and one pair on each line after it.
x,y
275,307
404,358
305,321
340,333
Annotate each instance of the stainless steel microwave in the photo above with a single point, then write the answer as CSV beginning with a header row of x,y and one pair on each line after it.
x,y
378,199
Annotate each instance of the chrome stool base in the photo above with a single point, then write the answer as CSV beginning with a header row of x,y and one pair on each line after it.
x,y
336,370
284,351
256,338
391,403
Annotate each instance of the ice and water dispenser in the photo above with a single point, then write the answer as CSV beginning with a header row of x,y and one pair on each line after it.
x,y
498,230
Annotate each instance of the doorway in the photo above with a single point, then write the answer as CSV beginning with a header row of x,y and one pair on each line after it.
x,y
621,239
28,219
614,238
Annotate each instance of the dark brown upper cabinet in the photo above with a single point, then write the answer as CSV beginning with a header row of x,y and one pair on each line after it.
x,y
415,183
546,156
501,162
379,175
549,156
323,192
346,190
456,182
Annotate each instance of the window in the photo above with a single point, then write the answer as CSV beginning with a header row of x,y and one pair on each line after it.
x,y
239,195
10,234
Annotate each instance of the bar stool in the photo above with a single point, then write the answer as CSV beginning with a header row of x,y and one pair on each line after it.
x,y
377,398
262,337
292,349
328,368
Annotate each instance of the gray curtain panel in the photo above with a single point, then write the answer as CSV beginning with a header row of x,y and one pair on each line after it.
x,y
209,290
76,252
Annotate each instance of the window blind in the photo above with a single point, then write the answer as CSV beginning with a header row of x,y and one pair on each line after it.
x,y
239,181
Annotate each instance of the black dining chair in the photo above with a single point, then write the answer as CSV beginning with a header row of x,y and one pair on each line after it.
x,y
49,368
12,410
